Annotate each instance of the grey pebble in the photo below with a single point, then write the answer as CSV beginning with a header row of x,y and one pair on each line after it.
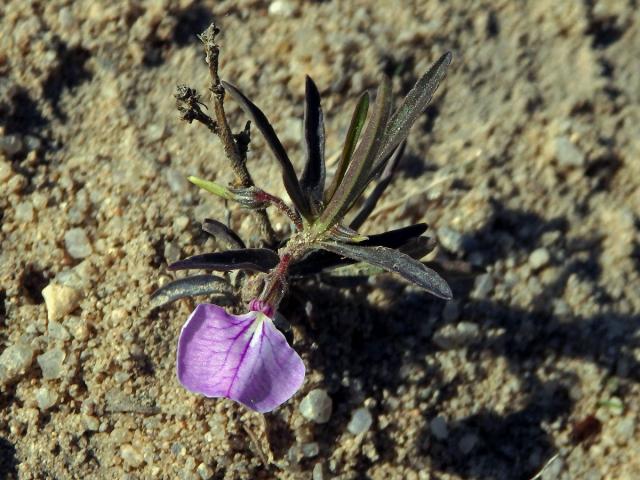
x,y
51,363
360,422
483,286
450,239
439,429
567,154
77,243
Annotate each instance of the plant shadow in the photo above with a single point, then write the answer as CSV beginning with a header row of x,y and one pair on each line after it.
x,y
378,355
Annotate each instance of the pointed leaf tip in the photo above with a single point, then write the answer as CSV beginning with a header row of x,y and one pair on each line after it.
x,y
240,357
313,175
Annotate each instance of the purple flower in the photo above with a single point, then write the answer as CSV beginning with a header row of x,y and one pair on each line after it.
x,y
241,357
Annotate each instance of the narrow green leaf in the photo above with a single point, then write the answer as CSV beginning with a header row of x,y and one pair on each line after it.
x,y
396,262
288,173
212,187
353,134
313,175
362,161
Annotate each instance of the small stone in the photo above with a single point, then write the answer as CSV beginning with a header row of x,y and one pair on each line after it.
x,y
180,224
316,406
60,300
46,398
539,258
282,8
467,443
310,449
438,427
450,337
625,430
91,423
450,239
51,363
451,311
177,181
131,456
171,252
483,286
58,331
360,422
11,145
157,132
318,472
24,212
567,154
14,360
77,243
205,471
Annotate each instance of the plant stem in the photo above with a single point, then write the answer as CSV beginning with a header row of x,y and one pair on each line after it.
x,y
277,202
231,149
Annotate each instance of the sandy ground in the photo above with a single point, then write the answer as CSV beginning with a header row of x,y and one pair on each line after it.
x,y
526,166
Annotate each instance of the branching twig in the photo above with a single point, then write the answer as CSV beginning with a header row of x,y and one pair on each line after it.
x,y
235,146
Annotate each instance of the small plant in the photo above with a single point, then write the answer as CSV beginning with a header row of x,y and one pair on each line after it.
x,y
245,357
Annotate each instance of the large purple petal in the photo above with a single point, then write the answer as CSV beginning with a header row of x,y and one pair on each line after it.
x,y
241,357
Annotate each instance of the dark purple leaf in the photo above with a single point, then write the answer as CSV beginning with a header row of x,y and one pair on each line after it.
x,y
313,176
319,260
257,259
396,262
191,287
260,120
223,234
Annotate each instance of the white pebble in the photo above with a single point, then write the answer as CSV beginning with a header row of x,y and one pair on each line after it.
x,y
205,471
46,398
51,363
360,422
310,449
539,258
316,406
60,300
131,455
77,243
282,8
438,427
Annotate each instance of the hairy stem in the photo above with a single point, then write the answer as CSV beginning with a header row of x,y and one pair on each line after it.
x,y
277,202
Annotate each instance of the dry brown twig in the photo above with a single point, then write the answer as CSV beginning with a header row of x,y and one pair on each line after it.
x,y
235,146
